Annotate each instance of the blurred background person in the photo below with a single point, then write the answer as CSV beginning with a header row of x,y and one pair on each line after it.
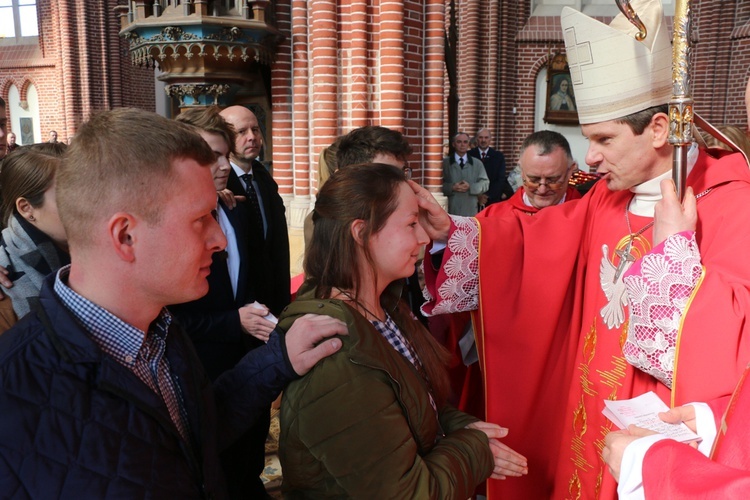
x,y
11,139
33,242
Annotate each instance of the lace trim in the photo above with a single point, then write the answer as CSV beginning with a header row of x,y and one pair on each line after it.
x,y
459,289
659,294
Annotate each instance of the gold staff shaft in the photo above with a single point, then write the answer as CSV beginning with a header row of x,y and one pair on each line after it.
x,y
681,103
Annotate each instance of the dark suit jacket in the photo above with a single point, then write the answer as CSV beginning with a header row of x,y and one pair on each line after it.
x,y
269,259
494,165
213,322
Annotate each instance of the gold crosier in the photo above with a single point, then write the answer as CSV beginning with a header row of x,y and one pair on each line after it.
x,y
681,104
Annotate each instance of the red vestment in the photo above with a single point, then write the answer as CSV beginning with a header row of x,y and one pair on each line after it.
x,y
468,379
552,324
515,202
674,470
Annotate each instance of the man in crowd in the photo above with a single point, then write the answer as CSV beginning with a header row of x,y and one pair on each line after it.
x,y
102,393
52,137
546,167
268,235
3,124
12,146
494,165
464,178
221,323
557,277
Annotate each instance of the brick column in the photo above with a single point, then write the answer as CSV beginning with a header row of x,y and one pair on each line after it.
x,y
356,41
300,202
469,79
282,100
392,99
68,69
434,119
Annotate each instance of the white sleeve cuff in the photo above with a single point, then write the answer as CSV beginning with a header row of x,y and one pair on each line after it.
x,y
705,426
631,468
438,246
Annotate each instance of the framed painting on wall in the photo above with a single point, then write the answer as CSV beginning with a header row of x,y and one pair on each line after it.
x,y
27,131
560,104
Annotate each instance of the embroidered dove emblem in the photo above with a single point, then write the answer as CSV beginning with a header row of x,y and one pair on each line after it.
x,y
613,313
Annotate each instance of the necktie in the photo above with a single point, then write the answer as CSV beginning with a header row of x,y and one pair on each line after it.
x,y
484,155
461,162
252,197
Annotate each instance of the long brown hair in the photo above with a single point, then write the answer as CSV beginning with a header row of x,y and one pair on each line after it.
x,y
28,172
367,192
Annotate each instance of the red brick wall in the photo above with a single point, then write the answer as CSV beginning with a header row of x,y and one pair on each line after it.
x,y
347,64
81,66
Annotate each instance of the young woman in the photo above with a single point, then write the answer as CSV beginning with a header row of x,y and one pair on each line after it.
x,y
33,242
371,421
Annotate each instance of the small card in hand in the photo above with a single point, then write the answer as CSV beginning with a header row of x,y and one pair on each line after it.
x,y
643,411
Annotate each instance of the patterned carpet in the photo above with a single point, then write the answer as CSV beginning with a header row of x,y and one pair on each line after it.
x,y
272,473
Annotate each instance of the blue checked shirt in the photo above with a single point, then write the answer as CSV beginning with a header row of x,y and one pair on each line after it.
x,y
141,353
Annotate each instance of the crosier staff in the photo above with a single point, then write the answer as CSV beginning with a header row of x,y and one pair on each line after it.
x,y
681,104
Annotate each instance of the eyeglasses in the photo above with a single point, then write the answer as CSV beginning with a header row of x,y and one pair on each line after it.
x,y
550,182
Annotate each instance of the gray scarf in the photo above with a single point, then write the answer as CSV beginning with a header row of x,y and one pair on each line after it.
x,y
29,255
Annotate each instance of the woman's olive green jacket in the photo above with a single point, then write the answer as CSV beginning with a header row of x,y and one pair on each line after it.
x,y
360,424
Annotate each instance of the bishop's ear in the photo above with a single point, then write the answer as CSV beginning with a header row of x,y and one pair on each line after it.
x,y
659,128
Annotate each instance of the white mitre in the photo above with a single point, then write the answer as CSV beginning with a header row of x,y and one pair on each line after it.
x,y
613,74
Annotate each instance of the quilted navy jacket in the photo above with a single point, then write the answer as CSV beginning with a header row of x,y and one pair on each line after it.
x,y
76,424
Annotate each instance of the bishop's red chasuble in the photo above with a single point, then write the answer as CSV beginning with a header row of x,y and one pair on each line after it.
x,y
551,319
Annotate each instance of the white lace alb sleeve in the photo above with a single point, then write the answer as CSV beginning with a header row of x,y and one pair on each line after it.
x,y
458,282
659,288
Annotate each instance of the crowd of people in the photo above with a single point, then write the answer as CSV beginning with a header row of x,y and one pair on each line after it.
x,y
148,323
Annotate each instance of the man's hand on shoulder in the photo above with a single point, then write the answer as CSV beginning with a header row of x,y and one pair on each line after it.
x,y
307,340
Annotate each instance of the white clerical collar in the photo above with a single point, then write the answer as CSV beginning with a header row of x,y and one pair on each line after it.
x,y
527,202
649,192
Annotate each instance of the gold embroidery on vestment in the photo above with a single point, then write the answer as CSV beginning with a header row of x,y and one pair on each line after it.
x,y
574,487
579,420
589,343
598,488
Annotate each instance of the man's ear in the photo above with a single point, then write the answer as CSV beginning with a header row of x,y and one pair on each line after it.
x,y
356,228
660,130
24,208
121,229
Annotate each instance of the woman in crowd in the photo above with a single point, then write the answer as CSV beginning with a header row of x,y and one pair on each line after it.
x,y
33,242
372,421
